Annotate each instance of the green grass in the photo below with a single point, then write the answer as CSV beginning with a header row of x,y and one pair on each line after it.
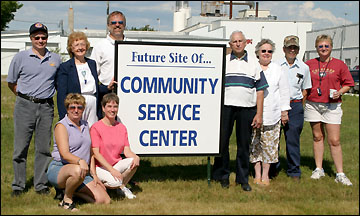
x,y
178,185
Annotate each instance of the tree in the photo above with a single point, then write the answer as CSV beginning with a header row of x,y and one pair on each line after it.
x,y
145,28
8,8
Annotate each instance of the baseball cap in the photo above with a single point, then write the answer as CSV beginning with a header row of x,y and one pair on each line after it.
x,y
291,40
38,27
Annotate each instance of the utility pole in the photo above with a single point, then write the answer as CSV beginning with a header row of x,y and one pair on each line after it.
x,y
158,19
343,39
107,14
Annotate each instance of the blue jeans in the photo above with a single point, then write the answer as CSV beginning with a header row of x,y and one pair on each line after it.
x,y
292,131
53,172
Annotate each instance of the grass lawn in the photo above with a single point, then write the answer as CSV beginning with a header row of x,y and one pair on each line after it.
x,y
178,185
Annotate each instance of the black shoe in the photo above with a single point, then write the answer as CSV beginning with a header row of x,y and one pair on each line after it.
x,y
246,187
43,191
224,183
16,193
120,193
59,194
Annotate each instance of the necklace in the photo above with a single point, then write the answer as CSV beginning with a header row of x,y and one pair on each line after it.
x,y
84,75
323,74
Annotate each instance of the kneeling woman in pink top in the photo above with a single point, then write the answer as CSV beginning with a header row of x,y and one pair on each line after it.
x,y
109,139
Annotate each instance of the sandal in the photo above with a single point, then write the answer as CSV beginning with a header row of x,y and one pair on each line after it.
x,y
70,206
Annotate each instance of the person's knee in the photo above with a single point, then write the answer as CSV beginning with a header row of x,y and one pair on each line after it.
x,y
318,137
76,173
334,142
103,199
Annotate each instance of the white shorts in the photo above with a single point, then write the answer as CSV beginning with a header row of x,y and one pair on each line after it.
x,y
106,177
329,113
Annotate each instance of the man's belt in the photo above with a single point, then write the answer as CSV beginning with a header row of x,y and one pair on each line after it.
x,y
294,101
36,100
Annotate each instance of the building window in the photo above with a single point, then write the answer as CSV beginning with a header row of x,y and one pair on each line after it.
x,y
348,62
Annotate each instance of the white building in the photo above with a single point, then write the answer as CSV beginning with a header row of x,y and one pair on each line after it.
x,y
345,43
213,26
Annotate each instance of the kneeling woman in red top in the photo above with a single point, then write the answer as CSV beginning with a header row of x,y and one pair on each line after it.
x,y
109,139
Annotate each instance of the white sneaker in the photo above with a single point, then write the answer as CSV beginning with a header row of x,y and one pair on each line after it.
x,y
317,173
343,179
128,193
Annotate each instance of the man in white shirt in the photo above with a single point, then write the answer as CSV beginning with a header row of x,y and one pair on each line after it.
x,y
104,52
299,80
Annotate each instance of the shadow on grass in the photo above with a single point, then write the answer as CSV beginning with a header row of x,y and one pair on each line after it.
x,y
147,172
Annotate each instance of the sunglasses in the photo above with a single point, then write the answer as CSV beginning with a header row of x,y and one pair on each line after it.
x,y
321,46
268,51
76,107
38,38
114,22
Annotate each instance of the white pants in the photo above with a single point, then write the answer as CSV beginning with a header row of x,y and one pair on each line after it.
x,y
106,177
89,113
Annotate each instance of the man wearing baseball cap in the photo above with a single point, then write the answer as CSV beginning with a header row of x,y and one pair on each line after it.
x,y
299,80
31,77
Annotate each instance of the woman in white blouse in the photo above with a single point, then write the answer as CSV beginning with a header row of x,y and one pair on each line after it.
x,y
78,75
265,140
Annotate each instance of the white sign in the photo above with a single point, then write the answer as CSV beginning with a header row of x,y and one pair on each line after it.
x,y
171,96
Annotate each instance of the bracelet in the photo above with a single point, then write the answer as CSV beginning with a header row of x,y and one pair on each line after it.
x,y
78,162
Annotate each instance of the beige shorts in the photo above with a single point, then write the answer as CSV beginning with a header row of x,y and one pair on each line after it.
x,y
329,113
106,177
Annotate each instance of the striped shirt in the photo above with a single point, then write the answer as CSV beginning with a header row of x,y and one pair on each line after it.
x,y
243,78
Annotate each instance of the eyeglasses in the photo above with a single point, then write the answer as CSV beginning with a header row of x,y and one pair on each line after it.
x,y
321,46
114,22
72,108
38,38
269,51
79,45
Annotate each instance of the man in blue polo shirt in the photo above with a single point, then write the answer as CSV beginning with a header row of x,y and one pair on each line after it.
x,y
244,96
299,80
31,78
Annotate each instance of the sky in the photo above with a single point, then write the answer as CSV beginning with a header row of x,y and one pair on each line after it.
x,y
159,14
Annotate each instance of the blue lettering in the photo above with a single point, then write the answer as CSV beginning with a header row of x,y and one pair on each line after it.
x,y
184,112
151,111
213,85
141,138
153,138
149,87
160,111
142,112
163,138
182,137
133,84
195,112
192,137
122,84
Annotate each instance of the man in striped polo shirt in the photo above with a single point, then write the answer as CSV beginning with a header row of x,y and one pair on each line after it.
x,y
244,96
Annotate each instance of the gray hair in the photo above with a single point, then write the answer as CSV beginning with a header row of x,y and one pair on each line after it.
x,y
262,42
235,32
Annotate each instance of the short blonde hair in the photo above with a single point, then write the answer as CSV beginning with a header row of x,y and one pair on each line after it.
x,y
322,38
74,37
74,98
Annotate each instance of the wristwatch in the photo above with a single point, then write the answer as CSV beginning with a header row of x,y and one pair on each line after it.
x,y
78,162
